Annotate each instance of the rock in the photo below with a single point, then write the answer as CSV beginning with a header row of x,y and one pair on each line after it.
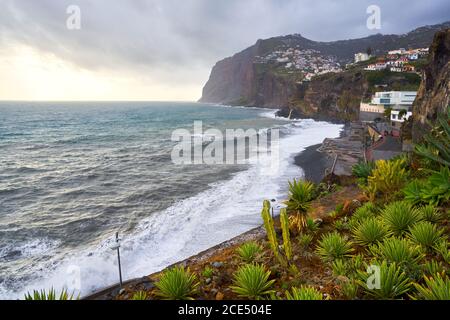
x,y
319,222
274,200
220,296
208,281
214,291
279,294
217,264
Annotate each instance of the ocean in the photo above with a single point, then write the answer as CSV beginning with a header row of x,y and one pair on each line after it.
x,y
74,174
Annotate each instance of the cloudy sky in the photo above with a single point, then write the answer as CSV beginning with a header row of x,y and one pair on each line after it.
x,y
164,49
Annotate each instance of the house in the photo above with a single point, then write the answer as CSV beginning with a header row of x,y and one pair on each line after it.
x,y
396,69
397,52
398,117
409,68
361,57
382,101
413,57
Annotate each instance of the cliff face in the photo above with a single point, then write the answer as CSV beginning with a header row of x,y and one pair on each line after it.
x,y
434,93
245,79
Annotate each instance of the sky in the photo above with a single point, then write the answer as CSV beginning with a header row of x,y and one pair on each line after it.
x,y
158,50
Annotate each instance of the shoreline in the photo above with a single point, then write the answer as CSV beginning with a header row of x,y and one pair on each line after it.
x,y
313,163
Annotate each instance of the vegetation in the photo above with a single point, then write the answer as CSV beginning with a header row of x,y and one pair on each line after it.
x,y
284,220
51,295
437,288
177,284
252,281
387,178
301,193
249,251
370,231
140,295
426,234
363,171
393,283
304,294
333,246
399,217
270,229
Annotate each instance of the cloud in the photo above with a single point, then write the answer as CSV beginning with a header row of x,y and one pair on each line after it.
x,y
177,41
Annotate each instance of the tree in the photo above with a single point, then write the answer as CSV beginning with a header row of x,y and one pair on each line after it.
x,y
369,51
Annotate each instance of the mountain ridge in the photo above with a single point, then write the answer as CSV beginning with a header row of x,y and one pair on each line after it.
x,y
243,80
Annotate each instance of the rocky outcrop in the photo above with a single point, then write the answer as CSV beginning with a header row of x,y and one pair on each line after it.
x,y
434,93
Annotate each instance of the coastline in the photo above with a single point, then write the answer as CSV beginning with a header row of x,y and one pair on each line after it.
x,y
313,163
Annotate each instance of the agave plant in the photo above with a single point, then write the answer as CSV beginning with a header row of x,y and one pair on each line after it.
x,y
51,295
305,240
369,210
431,214
304,294
252,281
437,188
393,282
443,249
177,283
433,268
436,288
363,170
370,231
301,193
399,251
311,225
249,251
399,217
140,295
426,234
333,246
350,289
340,268
437,144
413,192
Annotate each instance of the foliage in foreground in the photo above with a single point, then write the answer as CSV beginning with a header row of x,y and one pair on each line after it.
x,y
249,251
333,246
399,217
304,294
437,288
51,295
252,281
177,283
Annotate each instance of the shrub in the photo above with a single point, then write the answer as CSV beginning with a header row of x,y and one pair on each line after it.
x,y
350,289
333,246
426,234
399,217
387,178
363,170
437,144
340,268
304,294
249,251
208,272
342,224
252,281
437,188
140,295
442,248
433,267
305,240
370,231
399,251
177,283
413,192
436,288
301,193
311,225
369,210
430,214
393,282
51,295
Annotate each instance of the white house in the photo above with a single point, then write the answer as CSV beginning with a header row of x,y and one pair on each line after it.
x,y
361,57
395,100
397,120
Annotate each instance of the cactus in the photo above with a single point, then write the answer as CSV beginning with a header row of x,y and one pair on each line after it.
x,y
270,229
284,220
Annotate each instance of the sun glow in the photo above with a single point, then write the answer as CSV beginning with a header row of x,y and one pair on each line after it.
x,y
28,74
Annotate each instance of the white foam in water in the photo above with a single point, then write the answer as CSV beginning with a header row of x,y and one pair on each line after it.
x,y
226,210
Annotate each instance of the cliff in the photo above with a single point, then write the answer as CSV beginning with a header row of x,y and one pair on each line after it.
x,y
434,93
249,79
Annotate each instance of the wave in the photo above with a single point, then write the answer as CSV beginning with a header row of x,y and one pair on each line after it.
x,y
227,209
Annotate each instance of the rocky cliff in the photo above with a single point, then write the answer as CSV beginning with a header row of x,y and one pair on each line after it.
x,y
247,79
434,93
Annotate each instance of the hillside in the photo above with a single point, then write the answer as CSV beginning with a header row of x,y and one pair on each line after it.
x,y
269,73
